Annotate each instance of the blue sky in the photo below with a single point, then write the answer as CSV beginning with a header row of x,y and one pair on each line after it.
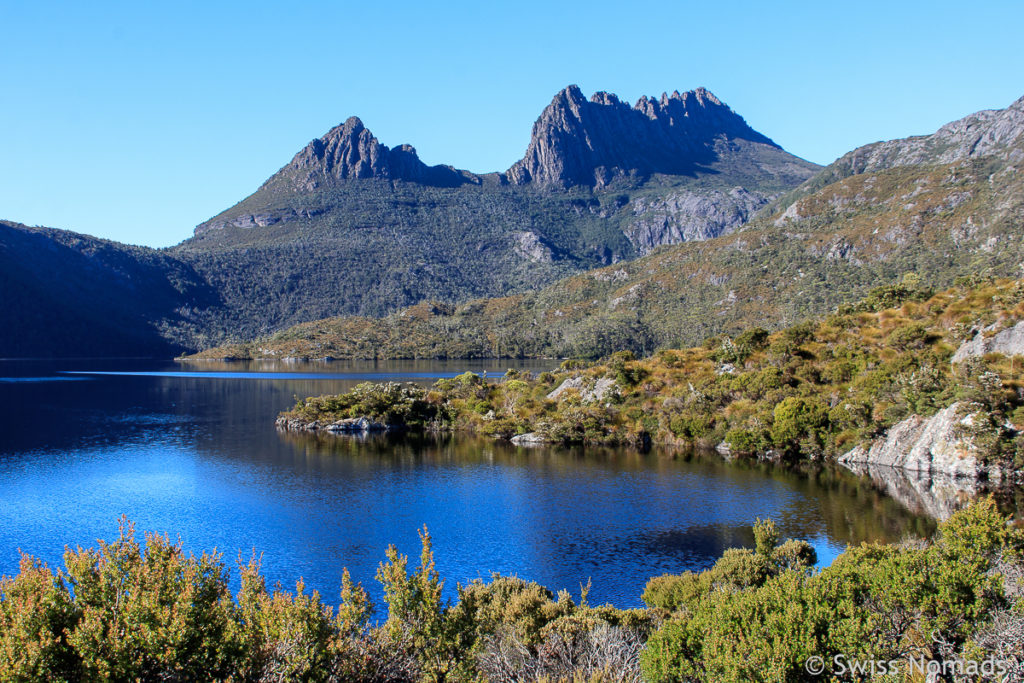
x,y
137,120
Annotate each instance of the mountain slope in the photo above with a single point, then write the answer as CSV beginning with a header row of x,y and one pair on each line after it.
x,y
66,294
995,134
922,205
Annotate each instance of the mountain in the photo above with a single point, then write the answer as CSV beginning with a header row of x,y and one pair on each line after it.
x,y
352,226
349,152
600,182
944,206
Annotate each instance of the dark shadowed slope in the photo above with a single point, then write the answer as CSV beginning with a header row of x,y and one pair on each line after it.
x,y
66,294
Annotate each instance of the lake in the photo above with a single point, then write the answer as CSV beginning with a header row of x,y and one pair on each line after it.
x,y
191,450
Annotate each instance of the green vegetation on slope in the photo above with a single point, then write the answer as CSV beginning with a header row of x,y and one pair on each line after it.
x,y
813,390
124,612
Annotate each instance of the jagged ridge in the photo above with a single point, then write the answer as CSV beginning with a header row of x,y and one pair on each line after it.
x,y
581,142
843,236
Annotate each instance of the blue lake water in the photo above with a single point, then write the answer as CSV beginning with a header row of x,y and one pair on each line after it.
x,y
191,450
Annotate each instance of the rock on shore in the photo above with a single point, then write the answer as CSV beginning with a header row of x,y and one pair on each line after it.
x,y
932,446
352,425
530,439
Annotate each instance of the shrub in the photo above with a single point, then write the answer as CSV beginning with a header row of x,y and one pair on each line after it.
x,y
873,602
152,614
797,421
745,441
908,337
36,615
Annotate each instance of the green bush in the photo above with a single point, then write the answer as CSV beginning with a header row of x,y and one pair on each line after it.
x,y
873,602
130,612
745,441
798,421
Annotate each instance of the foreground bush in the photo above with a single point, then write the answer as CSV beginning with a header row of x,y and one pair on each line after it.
x,y
875,602
126,612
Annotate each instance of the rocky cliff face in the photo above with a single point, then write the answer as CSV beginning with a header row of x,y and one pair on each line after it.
x,y
685,216
592,142
351,151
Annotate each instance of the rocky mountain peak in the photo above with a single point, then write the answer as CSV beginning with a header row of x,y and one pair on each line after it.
x,y
350,151
577,141
346,151
605,98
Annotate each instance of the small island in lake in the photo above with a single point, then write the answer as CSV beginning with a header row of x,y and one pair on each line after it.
x,y
906,379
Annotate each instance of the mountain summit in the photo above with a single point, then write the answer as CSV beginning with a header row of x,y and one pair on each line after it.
x,y
575,142
351,151
591,142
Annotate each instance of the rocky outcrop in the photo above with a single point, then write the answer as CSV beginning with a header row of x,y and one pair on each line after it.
x,y
592,142
1009,342
935,446
985,133
531,439
259,220
685,216
532,247
590,390
353,425
351,151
